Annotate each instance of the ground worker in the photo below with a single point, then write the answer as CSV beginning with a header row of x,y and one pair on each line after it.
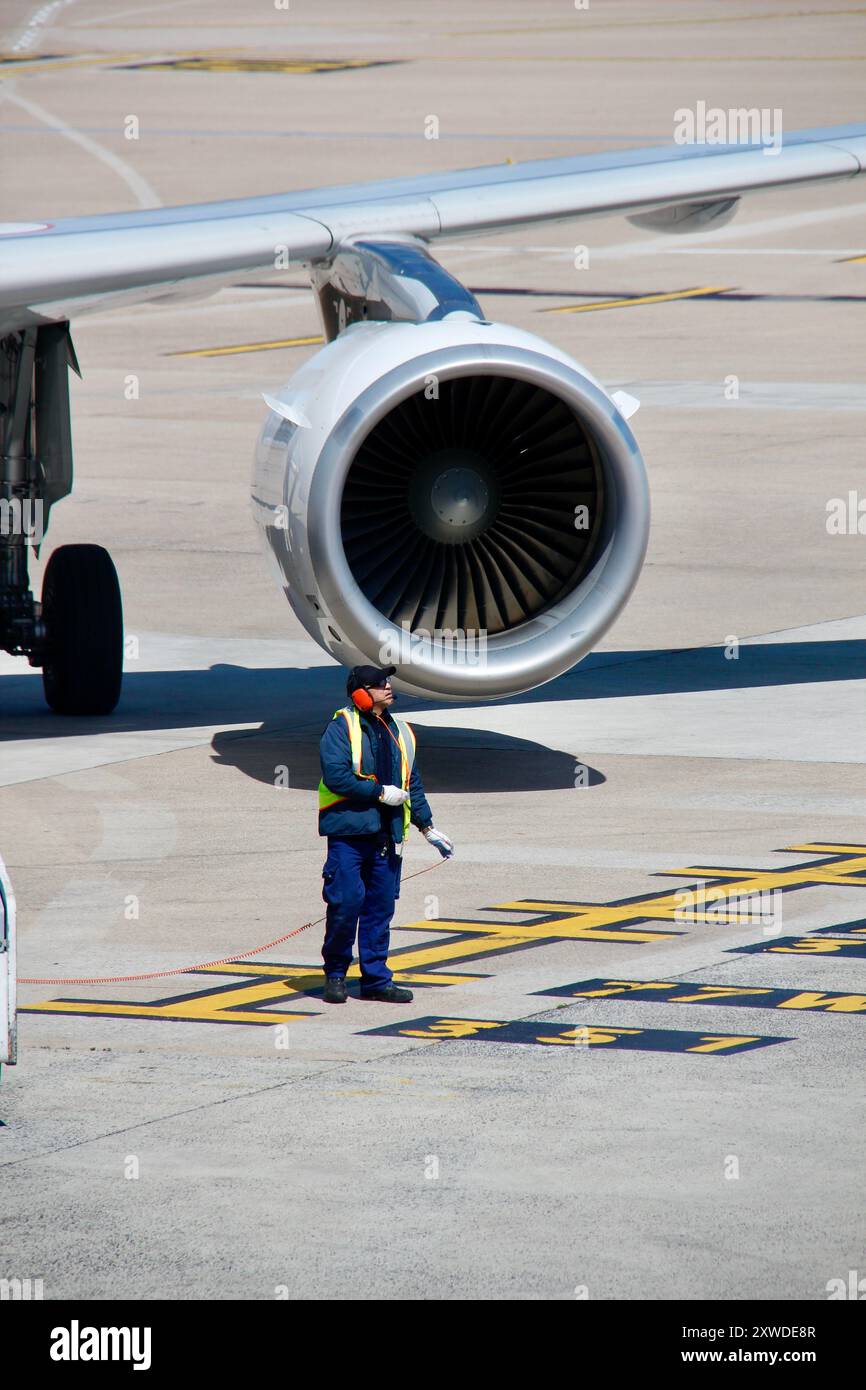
x,y
369,793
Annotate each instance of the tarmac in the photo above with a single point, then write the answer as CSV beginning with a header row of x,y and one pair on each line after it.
x,y
224,1134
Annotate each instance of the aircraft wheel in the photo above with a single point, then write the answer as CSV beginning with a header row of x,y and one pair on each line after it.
x,y
83,616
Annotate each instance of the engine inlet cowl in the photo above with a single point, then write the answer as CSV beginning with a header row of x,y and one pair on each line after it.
x,y
453,478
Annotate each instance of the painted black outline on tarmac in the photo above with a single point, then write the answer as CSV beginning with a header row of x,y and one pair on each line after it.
x,y
700,992
575,1035
815,945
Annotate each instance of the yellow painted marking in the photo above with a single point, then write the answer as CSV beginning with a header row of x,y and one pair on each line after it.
x,y
715,992
47,64
184,60
439,952
207,1004
623,987
820,847
179,1013
565,927
819,946
207,63
755,881
848,1004
248,347
591,1037
605,912
493,930
717,1044
279,972
665,907
420,977
23,67
706,991
638,299
852,260
515,929
450,1028
621,934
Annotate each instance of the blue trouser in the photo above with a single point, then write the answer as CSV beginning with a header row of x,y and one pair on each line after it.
x,y
360,886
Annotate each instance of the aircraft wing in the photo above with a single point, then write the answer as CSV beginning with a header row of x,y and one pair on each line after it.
x,y
57,270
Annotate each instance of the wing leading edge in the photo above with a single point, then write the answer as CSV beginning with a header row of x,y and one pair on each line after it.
x,y
84,263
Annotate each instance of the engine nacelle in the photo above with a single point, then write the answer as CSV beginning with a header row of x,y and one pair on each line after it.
x,y
457,498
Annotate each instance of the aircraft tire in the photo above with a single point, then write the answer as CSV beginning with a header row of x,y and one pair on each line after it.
x,y
83,615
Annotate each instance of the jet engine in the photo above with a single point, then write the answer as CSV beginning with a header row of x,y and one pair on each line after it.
x,y
455,497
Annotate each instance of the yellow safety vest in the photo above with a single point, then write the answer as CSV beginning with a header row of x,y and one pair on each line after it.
x,y
406,740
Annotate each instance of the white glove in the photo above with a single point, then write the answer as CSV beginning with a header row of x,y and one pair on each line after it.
x,y
442,843
393,796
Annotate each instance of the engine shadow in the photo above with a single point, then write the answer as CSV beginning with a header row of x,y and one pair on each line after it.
x,y
305,697
449,760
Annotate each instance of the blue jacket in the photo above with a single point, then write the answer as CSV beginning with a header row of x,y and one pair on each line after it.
x,y
362,812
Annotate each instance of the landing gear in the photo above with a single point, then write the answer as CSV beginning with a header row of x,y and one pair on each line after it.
x,y
76,633
82,664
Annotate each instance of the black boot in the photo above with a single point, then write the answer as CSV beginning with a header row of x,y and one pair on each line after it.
x,y
335,990
390,994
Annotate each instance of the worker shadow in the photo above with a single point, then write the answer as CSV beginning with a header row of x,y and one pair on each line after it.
x,y
285,751
450,759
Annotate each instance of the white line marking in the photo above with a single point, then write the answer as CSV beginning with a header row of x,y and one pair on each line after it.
x,y
147,197
42,19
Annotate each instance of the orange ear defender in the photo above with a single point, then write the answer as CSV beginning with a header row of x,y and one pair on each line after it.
x,y
362,700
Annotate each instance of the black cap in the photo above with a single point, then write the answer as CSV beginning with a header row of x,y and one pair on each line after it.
x,y
359,676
